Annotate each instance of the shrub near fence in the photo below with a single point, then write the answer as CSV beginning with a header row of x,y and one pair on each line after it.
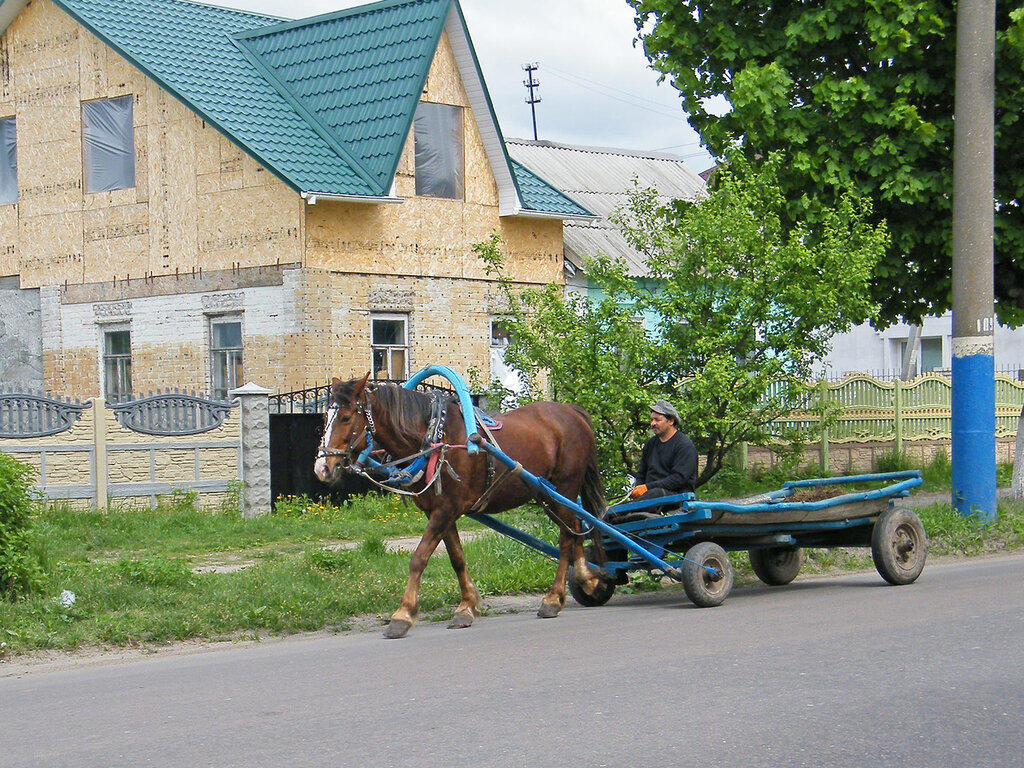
x,y
912,417
97,454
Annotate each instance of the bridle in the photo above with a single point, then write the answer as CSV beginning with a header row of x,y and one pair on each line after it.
x,y
362,427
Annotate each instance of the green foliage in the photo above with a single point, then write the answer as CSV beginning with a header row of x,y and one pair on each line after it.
x,y
743,301
859,96
20,567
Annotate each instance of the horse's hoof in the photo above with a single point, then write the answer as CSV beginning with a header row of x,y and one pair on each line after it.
x,y
396,629
461,620
548,611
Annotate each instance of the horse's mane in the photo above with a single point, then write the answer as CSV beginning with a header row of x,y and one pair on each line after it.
x,y
408,410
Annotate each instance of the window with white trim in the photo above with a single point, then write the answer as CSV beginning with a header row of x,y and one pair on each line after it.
x,y
389,346
225,356
108,144
117,365
8,161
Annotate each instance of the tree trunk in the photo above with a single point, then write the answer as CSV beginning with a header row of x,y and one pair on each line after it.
x,y
1017,488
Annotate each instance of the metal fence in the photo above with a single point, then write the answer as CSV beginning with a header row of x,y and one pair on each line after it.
x,y
896,411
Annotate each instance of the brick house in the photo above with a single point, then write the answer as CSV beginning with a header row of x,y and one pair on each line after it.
x,y
193,196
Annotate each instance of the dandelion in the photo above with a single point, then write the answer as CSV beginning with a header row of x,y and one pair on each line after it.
x,y
67,598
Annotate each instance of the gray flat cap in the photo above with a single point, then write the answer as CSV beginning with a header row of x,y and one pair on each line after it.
x,y
664,407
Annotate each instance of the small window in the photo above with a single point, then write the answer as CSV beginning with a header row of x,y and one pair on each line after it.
x,y
108,144
389,344
931,354
225,356
500,337
117,366
8,161
439,153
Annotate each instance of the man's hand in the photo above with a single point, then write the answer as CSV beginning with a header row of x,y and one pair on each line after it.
x,y
639,491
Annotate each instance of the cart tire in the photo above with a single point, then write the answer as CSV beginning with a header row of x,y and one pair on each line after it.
x,y
899,546
704,590
776,566
601,594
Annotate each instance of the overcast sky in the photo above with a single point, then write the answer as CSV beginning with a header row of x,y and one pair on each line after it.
x,y
596,87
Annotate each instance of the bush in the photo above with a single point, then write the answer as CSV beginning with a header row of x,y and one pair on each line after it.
x,y
20,569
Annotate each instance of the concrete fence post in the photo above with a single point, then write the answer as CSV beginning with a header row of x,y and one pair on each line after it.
x,y
254,462
1017,484
101,465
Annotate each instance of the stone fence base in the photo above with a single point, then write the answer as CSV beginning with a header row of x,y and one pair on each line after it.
x,y
846,458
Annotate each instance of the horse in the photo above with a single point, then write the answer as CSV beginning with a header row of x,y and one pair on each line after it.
x,y
551,440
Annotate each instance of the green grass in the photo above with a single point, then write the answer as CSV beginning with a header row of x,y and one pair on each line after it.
x,y
133,570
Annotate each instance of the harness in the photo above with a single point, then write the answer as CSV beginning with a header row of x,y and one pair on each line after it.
x,y
427,464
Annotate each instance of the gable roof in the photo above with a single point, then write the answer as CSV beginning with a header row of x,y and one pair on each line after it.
x,y
324,103
601,180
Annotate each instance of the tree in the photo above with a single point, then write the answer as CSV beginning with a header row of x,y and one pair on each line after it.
x,y
746,302
859,95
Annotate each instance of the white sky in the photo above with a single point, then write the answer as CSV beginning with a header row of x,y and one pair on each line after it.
x,y
596,87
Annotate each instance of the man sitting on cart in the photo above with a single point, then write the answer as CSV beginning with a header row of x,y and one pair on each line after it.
x,y
668,464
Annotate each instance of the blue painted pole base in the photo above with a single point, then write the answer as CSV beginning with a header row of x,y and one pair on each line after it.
x,y
974,437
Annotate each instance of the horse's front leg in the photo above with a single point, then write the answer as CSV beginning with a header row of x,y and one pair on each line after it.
x,y
469,606
403,619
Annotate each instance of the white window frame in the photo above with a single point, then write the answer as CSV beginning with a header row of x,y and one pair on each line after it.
x,y
388,350
108,144
216,391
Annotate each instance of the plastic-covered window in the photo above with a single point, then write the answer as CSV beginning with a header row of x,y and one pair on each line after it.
x,y
108,142
8,161
439,151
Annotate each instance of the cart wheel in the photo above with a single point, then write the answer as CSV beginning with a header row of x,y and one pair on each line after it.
x,y
704,589
600,595
776,566
899,546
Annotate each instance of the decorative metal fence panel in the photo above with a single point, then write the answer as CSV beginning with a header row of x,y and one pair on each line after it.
x,y
31,415
172,413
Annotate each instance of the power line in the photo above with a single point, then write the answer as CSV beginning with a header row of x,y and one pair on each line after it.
x,y
610,92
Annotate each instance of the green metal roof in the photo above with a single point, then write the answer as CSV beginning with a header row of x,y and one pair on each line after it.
x,y
325,103
538,195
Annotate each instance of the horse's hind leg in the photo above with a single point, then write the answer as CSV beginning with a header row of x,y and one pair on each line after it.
x,y
469,606
570,551
554,600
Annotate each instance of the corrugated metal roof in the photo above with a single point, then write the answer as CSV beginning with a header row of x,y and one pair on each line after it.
x,y
600,180
325,103
357,74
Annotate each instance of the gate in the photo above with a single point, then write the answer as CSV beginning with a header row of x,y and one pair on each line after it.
x,y
296,428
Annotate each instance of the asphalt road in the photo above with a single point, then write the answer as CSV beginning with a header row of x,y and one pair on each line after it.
x,y
824,672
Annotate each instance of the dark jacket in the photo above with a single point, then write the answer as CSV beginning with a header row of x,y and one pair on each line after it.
x,y
671,465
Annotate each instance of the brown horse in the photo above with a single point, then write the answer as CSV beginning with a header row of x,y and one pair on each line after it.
x,y
550,440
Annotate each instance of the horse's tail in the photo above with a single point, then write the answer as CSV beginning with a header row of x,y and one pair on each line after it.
x,y
595,503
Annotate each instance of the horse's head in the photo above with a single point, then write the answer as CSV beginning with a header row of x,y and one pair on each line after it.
x,y
344,428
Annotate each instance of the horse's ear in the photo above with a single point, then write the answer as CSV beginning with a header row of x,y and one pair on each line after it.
x,y
358,389
335,381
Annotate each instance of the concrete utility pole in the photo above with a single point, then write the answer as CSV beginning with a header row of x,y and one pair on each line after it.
x,y
533,99
974,420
